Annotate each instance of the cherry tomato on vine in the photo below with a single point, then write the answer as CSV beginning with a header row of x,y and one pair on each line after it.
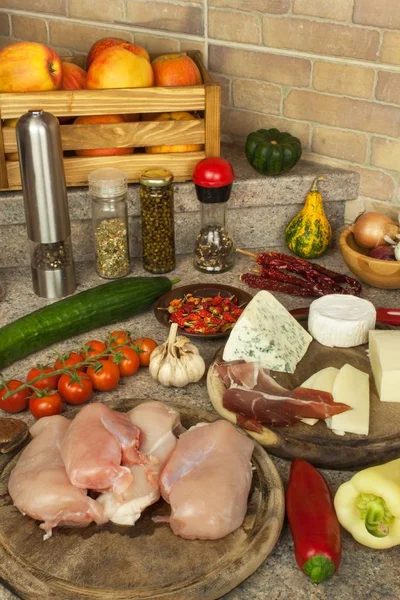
x,y
17,401
145,347
46,406
46,383
69,360
105,375
76,388
94,348
119,337
129,363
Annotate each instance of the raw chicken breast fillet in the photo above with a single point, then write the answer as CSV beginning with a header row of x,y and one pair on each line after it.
x,y
156,422
207,481
39,485
98,441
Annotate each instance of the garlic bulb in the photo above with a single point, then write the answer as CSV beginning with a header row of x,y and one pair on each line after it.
x,y
177,362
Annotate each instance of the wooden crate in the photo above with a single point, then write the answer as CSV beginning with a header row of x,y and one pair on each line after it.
x,y
203,98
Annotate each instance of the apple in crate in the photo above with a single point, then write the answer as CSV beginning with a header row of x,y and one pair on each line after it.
x,y
116,67
29,67
174,116
110,42
74,77
101,120
175,69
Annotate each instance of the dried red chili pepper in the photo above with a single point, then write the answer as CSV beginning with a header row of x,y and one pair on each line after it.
x,y
318,280
262,283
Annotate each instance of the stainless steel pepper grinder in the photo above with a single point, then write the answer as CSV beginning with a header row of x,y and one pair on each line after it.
x,y
46,204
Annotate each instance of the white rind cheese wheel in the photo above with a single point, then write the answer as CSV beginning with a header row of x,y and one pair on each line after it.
x,y
341,321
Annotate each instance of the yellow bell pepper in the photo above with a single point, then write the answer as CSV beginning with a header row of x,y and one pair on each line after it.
x,y
368,505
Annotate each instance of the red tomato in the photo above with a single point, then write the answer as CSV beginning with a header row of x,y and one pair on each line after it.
x,y
104,376
119,337
45,406
76,388
46,383
68,360
94,348
129,363
16,402
145,347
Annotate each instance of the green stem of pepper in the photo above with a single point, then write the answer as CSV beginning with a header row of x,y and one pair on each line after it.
x,y
375,514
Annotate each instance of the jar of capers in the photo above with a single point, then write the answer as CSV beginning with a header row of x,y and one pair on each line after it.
x,y
157,213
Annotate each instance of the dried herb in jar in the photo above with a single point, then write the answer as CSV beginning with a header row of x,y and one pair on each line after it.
x,y
157,216
112,248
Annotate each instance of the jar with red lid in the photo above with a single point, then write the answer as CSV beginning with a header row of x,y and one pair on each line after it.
x,y
214,250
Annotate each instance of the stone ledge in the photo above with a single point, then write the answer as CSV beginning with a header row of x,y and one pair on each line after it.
x,y
250,190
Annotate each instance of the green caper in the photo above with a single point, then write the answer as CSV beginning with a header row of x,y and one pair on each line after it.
x,y
157,214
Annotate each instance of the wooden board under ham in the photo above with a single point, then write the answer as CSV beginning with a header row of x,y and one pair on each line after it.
x,y
318,444
110,562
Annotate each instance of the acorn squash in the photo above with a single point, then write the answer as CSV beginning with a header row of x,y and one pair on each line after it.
x,y
271,152
309,233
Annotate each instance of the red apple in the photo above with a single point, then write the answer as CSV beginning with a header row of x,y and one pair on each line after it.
x,y
29,67
74,77
175,69
118,68
110,42
101,119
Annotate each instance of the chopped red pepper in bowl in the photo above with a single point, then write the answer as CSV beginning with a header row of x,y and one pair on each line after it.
x,y
209,314
202,310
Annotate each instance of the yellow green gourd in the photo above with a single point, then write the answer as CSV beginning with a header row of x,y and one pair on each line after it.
x,y
309,233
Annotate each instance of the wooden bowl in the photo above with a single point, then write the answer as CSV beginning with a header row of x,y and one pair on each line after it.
x,y
199,289
375,272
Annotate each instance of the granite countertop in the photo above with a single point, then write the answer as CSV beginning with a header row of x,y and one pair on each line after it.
x,y
364,574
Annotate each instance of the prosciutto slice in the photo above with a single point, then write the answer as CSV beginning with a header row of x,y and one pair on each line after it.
x,y
257,398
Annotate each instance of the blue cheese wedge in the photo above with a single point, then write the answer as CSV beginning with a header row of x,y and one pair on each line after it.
x,y
267,333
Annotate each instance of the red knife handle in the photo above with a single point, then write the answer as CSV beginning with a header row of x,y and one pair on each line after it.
x,y
390,316
301,314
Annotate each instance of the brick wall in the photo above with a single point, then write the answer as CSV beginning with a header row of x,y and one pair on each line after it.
x,y
328,71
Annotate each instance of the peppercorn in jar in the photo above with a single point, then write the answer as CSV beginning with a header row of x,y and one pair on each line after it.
x,y
157,214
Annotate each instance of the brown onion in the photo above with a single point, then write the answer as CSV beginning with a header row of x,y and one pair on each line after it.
x,y
370,228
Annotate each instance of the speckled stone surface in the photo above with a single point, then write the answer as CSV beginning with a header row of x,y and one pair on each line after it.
x,y
250,189
266,204
364,574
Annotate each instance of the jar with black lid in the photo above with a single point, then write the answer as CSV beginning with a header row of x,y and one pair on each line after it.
x,y
157,216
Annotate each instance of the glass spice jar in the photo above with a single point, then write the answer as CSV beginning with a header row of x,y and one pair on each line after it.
x,y
214,250
108,189
157,213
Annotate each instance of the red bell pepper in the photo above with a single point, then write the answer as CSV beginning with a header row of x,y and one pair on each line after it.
x,y
313,522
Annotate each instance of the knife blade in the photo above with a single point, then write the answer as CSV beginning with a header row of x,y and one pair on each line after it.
x,y
388,316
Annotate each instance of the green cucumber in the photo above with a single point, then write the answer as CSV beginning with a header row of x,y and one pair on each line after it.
x,y
96,307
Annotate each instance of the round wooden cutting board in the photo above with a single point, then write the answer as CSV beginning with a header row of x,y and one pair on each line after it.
x,y
147,561
317,443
